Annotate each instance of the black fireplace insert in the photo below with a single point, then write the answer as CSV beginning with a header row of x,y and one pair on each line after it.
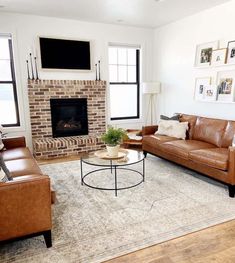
x,y
69,117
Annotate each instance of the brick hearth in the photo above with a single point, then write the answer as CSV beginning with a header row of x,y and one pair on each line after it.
x,y
41,91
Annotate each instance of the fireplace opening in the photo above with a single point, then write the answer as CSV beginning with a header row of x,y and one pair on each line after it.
x,y
69,117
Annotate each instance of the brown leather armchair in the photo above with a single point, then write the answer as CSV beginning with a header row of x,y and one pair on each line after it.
x,y
25,202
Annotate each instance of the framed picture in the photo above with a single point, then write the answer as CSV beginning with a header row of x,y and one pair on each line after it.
x,y
225,85
218,57
231,52
200,85
204,53
210,93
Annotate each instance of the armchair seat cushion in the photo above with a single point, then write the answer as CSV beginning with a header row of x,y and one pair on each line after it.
x,y
183,147
16,153
216,157
22,167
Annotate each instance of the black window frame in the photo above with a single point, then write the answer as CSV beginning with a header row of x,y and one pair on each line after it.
x,y
137,83
13,82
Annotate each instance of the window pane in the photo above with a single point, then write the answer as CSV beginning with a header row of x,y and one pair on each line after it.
x,y
7,104
131,56
122,56
4,48
113,55
131,73
5,70
123,100
113,73
122,73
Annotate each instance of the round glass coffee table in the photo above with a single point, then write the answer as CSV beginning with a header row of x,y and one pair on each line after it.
x,y
101,162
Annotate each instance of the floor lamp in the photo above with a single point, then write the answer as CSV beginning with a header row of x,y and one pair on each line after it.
x,y
152,89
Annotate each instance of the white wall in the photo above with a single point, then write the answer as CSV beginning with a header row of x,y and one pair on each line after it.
x,y
175,47
26,29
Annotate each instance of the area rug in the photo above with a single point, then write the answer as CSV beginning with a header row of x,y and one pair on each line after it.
x,y
90,225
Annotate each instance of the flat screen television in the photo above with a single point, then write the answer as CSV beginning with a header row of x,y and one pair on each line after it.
x,y
65,54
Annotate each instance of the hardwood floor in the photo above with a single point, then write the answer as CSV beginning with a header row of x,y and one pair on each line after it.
x,y
215,244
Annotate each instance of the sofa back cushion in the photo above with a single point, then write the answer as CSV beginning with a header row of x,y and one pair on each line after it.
x,y
191,119
228,134
209,130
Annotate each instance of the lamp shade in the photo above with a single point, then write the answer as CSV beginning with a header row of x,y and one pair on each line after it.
x,y
151,87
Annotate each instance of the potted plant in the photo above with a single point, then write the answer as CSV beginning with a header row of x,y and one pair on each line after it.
x,y
112,138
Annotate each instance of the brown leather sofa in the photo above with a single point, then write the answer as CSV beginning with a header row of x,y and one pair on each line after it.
x,y
207,148
25,202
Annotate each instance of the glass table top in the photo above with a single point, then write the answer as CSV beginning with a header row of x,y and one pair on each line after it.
x,y
130,157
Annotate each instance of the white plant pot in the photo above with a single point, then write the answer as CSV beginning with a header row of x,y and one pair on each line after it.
x,y
112,150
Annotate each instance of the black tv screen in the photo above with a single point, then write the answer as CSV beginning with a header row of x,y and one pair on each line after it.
x,y
65,54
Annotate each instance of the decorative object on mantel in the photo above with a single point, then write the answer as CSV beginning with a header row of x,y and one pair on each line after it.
x,y
218,57
151,88
31,63
27,63
99,69
36,68
112,138
96,77
204,53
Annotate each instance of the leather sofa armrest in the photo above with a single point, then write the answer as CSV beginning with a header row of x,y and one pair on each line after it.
x,y
25,206
14,142
148,130
231,159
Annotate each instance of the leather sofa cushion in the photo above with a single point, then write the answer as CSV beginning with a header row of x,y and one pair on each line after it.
x,y
191,119
209,130
23,167
182,148
216,158
156,139
228,134
16,153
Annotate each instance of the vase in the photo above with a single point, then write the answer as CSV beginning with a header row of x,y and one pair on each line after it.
x,y
112,150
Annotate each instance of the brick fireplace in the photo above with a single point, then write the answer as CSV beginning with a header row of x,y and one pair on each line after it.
x,y
42,92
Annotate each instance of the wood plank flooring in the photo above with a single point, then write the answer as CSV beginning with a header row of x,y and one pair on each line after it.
x,y
212,245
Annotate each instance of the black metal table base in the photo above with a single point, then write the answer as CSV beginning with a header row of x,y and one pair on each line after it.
x,y
114,170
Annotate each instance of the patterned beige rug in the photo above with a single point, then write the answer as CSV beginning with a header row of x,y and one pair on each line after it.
x,y
92,225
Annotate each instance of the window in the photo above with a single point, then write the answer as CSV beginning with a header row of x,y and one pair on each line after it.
x,y
9,112
124,82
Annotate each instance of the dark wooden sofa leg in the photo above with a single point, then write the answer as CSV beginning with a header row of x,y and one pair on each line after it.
x,y
145,154
231,190
47,237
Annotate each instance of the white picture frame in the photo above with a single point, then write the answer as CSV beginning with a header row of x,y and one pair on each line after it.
x,y
200,85
225,84
230,58
210,93
204,53
218,57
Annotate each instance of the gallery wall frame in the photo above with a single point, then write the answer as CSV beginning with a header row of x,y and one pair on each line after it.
x,y
230,58
219,57
225,82
204,53
200,87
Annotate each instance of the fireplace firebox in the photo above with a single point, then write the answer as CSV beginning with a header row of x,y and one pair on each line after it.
x,y
69,117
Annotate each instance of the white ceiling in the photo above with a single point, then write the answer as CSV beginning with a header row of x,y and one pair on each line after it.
x,y
143,13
